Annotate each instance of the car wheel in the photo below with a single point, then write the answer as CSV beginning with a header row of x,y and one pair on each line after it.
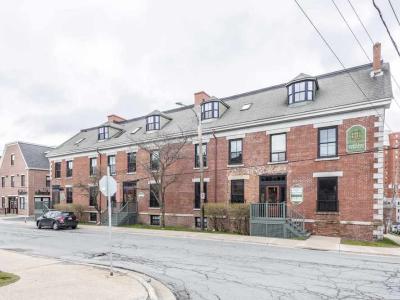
x,y
39,225
74,227
55,226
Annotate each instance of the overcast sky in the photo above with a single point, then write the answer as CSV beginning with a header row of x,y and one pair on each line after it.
x,y
66,65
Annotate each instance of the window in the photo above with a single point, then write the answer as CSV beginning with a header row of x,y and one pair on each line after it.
x,y
92,217
327,194
154,196
68,192
301,91
47,181
131,162
209,110
12,159
197,156
152,123
278,147
103,133
235,152
22,202
3,182
197,222
57,170
197,194
246,106
237,191
22,180
111,164
136,130
12,181
155,160
79,141
3,202
327,142
93,166
154,220
69,168
93,195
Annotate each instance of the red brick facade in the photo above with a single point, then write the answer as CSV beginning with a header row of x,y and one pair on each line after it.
x,y
356,184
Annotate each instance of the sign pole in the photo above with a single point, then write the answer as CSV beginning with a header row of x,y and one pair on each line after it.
x,y
109,223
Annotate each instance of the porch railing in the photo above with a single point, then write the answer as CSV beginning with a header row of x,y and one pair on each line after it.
x,y
268,210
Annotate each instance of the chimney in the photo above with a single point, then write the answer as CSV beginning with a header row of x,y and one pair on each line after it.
x,y
199,97
377,60
115,119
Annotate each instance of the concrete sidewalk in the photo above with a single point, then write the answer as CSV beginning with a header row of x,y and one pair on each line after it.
x,y
42,278
314,242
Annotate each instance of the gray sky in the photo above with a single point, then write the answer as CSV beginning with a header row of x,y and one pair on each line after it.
x,y
67,64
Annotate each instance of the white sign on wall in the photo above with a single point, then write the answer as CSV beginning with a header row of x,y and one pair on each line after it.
x,y
296,194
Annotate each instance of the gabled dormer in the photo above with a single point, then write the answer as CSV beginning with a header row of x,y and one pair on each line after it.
x,y
301,89
213,108
156,121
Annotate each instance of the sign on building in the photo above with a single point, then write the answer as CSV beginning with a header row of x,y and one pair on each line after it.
x,y
356,139
296,194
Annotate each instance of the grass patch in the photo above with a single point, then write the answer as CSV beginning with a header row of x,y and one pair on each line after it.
x,y
175,228
7,278
383,243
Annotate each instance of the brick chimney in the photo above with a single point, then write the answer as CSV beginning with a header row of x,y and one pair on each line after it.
x,y
115,119
199,97
377,60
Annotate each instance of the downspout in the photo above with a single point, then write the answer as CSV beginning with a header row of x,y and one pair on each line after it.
x,y
99,154
215,165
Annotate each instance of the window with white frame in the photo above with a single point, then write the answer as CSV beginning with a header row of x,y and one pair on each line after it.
x,y
197,156
209,110
327,142
278,147
103,133
153,123
111,164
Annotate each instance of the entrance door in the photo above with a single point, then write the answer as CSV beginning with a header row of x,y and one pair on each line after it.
x,y
272,194
13,205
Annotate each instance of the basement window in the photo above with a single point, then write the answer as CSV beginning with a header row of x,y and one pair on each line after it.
x,y
155,220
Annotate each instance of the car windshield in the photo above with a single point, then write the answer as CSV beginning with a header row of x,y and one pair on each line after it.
x,y
67,214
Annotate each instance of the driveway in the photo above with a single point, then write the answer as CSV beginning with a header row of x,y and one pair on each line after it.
x,y
212,269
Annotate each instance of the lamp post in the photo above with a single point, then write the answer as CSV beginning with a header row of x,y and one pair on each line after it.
x,y
201,164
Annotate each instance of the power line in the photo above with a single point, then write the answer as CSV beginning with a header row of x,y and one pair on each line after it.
x,y
338,59
387,28
394,12
361,22
360,45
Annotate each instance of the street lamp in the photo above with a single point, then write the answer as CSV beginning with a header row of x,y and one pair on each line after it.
x,y
200,138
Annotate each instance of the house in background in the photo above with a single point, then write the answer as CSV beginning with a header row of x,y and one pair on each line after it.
x,y
24,178
392,180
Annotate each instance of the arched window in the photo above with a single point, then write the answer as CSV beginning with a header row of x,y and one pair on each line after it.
x,y
209,110
301,91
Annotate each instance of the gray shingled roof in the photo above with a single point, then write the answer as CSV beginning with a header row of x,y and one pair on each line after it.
x,y
335,89
35,155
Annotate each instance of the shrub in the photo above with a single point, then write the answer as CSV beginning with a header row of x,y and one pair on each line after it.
x,y
216,214
239,216
77,209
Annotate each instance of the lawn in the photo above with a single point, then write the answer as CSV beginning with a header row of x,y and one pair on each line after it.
x,y
174,228
383,243
7,278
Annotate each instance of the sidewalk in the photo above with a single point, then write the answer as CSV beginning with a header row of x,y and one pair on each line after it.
x,y
314,242
42,278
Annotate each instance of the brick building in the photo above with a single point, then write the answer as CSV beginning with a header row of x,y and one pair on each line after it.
x,y
392,179
317,133
25,178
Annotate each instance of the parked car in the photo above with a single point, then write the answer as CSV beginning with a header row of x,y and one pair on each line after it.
x,y
57,219
395,228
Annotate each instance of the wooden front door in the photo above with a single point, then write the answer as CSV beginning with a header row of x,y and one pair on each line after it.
x,y
13,205
272,194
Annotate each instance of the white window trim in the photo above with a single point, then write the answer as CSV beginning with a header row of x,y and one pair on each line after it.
x,y
198,180
238,177
277,131
237,136
327,124
328,174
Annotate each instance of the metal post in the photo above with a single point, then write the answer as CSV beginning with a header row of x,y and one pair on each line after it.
x,y
109,224
202,196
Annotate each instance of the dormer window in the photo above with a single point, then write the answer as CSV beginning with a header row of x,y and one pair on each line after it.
x,y
210,110
152,123
301,91
103,133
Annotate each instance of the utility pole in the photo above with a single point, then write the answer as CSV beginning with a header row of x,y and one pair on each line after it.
x,y
201,160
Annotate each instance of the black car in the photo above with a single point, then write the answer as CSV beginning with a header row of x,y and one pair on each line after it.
x,y
57,219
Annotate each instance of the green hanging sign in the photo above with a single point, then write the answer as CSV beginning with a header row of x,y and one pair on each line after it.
x,y
356,139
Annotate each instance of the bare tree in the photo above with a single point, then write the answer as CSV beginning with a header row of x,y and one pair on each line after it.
x,y
93,189
163,153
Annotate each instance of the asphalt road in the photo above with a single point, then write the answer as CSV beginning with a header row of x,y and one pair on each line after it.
x,y
204,269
